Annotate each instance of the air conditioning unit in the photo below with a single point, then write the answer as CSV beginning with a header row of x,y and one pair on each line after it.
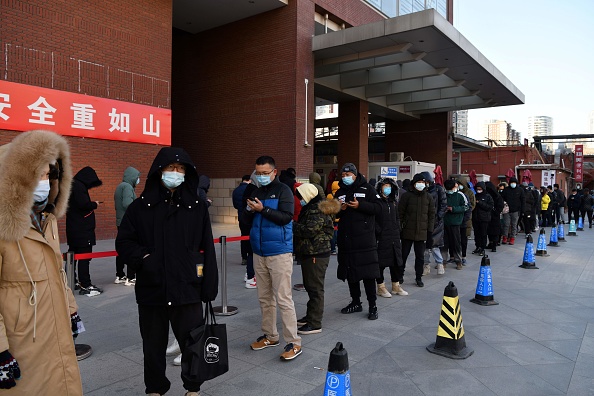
x,y
396,156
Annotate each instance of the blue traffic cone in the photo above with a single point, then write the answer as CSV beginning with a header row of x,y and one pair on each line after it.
x,y
561,232
580,226
541,246
450,340
484,285
572,228
338,378
553,238
529,262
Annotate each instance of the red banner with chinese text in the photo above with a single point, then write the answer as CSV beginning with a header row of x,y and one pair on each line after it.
x,y
578,163
26,107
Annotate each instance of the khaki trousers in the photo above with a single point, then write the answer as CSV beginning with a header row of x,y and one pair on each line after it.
x,y
273,276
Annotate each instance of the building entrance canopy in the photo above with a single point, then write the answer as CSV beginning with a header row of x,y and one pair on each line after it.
x,y
407,66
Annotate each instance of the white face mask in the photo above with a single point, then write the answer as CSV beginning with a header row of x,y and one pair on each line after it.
x,y
420,186
172,179
42,191
138,181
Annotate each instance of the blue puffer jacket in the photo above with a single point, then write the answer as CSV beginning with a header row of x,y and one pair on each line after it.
x,y
272,228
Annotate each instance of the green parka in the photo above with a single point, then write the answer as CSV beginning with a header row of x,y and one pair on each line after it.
x,y
315,227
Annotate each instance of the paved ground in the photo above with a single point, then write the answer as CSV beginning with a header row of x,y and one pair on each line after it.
x,y
538,341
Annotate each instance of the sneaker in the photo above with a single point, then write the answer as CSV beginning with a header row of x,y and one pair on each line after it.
x,y
426,269
188,393
130,282
352,308
504,240
299,287
120,279
291,351
481,252
464,261
419,282
251,283
308,329
333,252
302,321
458,266
177,360
245,278
476,251
451,261
77,286
397,289
263,342
173,349
382,291
512,241
372,313
440,270
90,291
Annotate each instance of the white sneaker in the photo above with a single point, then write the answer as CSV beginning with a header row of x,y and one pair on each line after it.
x,y
119,280
177,360
130,282
440,270
173,349
250,283
245,278
426,269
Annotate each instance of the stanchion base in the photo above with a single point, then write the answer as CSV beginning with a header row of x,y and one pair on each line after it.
x,y
484,302
463,354
83,351
542,254
228,312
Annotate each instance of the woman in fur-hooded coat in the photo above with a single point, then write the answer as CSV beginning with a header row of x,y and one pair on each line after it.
x,y
36,305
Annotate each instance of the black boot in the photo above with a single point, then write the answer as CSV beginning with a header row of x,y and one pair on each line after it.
x,y
352,307
372,313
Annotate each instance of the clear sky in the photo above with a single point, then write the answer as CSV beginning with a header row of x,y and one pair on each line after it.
x,y
545,48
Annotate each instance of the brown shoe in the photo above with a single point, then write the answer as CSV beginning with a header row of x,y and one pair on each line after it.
x,y
458,266
291,352
263,342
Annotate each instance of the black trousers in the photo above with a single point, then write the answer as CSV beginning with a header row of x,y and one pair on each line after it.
x,y
154,328
463,241
82,266
574,214
246,247
453,234
589,214
131,274
419,247
369,285
480,233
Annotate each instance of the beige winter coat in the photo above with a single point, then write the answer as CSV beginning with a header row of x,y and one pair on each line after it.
x,y
35,327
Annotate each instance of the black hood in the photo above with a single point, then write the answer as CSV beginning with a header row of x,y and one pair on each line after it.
x,y
386,180
481,185
166,156
88,177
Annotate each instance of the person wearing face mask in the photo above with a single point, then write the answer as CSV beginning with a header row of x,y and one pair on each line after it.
x,y
387,231
37,353
481,216
463,188
80,226
357,246
456,206
124,195
166,236
312,234
514,196
574,201
269,210
416,211
435,237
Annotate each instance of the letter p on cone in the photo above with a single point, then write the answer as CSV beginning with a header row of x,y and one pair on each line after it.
x,y
450,340
338,378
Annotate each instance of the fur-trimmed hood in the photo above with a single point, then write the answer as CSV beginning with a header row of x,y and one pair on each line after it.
x,y
329,206
21,163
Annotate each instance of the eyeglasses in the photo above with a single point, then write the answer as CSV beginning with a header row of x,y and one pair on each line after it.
x,y
264,173
175,167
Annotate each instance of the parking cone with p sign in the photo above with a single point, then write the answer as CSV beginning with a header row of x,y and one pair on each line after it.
x,y
541,246
484,285
580,226
561,232
553,238
528,262
572,230
450,340
338,378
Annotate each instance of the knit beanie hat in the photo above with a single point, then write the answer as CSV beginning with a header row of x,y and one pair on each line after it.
x,y
307,191
349,167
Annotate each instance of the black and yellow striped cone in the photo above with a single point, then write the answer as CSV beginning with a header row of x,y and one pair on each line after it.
x,y
450,332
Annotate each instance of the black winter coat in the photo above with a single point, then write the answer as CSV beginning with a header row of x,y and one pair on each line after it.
x,y
417,214
80,217
574,201
357,248
484,205
174,229
440,201
514,198
587,203
387,233
494,227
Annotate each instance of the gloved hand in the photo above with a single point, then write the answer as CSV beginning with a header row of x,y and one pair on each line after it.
x,y
77,325
9,370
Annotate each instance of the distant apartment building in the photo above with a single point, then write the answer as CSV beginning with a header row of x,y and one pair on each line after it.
x,y
540,126
496,132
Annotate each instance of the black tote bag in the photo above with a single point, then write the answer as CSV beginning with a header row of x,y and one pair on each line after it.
x,y
206,350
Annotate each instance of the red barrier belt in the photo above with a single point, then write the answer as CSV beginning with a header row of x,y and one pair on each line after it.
x,y
113,253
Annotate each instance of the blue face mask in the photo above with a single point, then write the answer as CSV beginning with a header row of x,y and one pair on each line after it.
x,y
264,180
348,180
387,191
302,202
172,179
512,185
450,192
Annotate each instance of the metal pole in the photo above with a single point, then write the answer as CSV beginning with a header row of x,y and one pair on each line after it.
x,y
224,310
70,269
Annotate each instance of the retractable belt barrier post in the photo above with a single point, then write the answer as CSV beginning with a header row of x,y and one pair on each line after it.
x,y
224,310
70,269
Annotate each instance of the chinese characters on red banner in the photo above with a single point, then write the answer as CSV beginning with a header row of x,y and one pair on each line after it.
x,y
25,107
579,163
